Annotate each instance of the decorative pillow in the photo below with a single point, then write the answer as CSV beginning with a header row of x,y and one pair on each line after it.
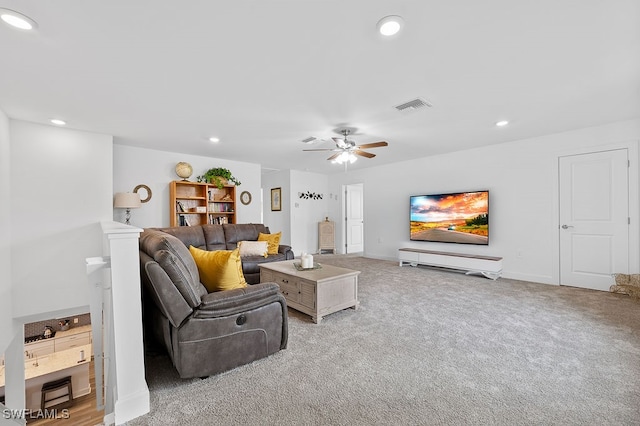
x,y
272,239
220,269
253,248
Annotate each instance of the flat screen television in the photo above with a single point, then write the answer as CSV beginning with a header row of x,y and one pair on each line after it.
x,y
459,217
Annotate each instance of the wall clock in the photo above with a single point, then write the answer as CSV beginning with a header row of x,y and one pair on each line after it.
x,y
245,197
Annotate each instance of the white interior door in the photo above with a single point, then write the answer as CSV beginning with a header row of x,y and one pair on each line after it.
x,y
354,218
594,218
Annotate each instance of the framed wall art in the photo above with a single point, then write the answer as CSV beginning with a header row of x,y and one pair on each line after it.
x,y
276,199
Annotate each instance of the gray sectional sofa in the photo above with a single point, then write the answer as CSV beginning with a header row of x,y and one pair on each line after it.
x,y
226,237
208,333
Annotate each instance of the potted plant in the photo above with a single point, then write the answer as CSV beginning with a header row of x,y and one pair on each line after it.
x,y
218,176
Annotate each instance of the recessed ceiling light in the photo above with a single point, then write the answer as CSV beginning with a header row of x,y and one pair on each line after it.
x,y
17,19
58,122
502,123
390,25
214,139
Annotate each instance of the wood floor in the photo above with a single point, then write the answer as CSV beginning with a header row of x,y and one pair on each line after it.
x,y
82,412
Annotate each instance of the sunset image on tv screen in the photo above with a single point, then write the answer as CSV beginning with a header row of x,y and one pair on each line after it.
x,y
451,218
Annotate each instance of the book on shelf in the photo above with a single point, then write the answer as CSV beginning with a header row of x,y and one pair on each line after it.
x,y
218,220
220,207
181,207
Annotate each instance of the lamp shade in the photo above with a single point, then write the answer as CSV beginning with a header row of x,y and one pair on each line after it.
x,y
127,200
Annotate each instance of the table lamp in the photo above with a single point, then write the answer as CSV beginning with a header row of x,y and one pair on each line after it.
x,y
127,200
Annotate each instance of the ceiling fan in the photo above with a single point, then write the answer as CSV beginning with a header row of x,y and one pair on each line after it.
x,y
346,150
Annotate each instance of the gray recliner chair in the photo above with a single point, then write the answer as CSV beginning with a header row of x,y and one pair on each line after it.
x,y
205,333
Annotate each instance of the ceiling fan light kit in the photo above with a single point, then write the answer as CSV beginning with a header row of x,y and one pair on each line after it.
x,y
346,151
345,157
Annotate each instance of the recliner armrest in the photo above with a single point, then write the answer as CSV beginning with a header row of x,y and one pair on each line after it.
x,y
286,250
230,302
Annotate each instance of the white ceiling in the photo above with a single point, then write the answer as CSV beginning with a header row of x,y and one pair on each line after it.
x,y
263,75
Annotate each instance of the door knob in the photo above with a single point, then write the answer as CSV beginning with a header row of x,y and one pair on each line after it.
x,y
566,226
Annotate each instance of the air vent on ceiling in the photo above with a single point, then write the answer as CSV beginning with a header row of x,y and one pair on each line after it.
x,y
413,105
310,139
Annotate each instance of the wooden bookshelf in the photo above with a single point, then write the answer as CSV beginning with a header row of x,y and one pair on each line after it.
x,y
196,203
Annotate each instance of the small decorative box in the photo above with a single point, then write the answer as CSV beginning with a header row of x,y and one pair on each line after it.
x,y
199,209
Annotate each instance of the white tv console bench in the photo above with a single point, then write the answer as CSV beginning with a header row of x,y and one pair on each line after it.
x,y
489,266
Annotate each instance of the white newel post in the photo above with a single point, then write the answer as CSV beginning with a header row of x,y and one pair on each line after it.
x,y
124,348
14,377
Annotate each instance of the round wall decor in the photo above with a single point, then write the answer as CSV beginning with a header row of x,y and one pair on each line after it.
x,y
245,197
146,188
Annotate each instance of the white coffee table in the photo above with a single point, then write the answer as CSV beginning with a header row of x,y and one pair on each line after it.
x,y
315,292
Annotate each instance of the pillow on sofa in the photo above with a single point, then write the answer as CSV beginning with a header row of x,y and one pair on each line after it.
x,y
220,269
253,248
272,239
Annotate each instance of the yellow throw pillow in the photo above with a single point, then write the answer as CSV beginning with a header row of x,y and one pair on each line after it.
x,y
220,269
273,240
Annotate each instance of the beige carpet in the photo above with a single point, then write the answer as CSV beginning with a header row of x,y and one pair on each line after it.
x,y
430,347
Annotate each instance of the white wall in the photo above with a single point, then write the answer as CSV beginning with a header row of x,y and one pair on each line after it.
x,y
134,166
7,330
522,179
61,188
306,213
278,221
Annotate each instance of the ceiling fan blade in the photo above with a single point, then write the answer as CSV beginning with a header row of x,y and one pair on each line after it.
x,y
373,145
321,149
363,153
334,156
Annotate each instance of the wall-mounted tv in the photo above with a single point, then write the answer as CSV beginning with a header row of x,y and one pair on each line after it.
x,y
459,217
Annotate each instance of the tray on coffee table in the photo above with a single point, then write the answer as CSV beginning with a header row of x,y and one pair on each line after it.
x,y
299,267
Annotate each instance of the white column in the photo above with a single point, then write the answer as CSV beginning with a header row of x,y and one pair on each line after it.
x,y
14,374
132,398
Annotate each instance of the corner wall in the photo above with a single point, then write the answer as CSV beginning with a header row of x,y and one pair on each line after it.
x,y
134,166
306,212
278,221
61,189
522,179
8,329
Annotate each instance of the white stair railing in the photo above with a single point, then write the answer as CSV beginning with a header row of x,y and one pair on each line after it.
x,y
100,284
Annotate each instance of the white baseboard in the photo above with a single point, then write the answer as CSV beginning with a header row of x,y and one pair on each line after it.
x,y
134,405
541,279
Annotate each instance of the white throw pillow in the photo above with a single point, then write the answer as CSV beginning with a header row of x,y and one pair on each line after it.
x,y
253,248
